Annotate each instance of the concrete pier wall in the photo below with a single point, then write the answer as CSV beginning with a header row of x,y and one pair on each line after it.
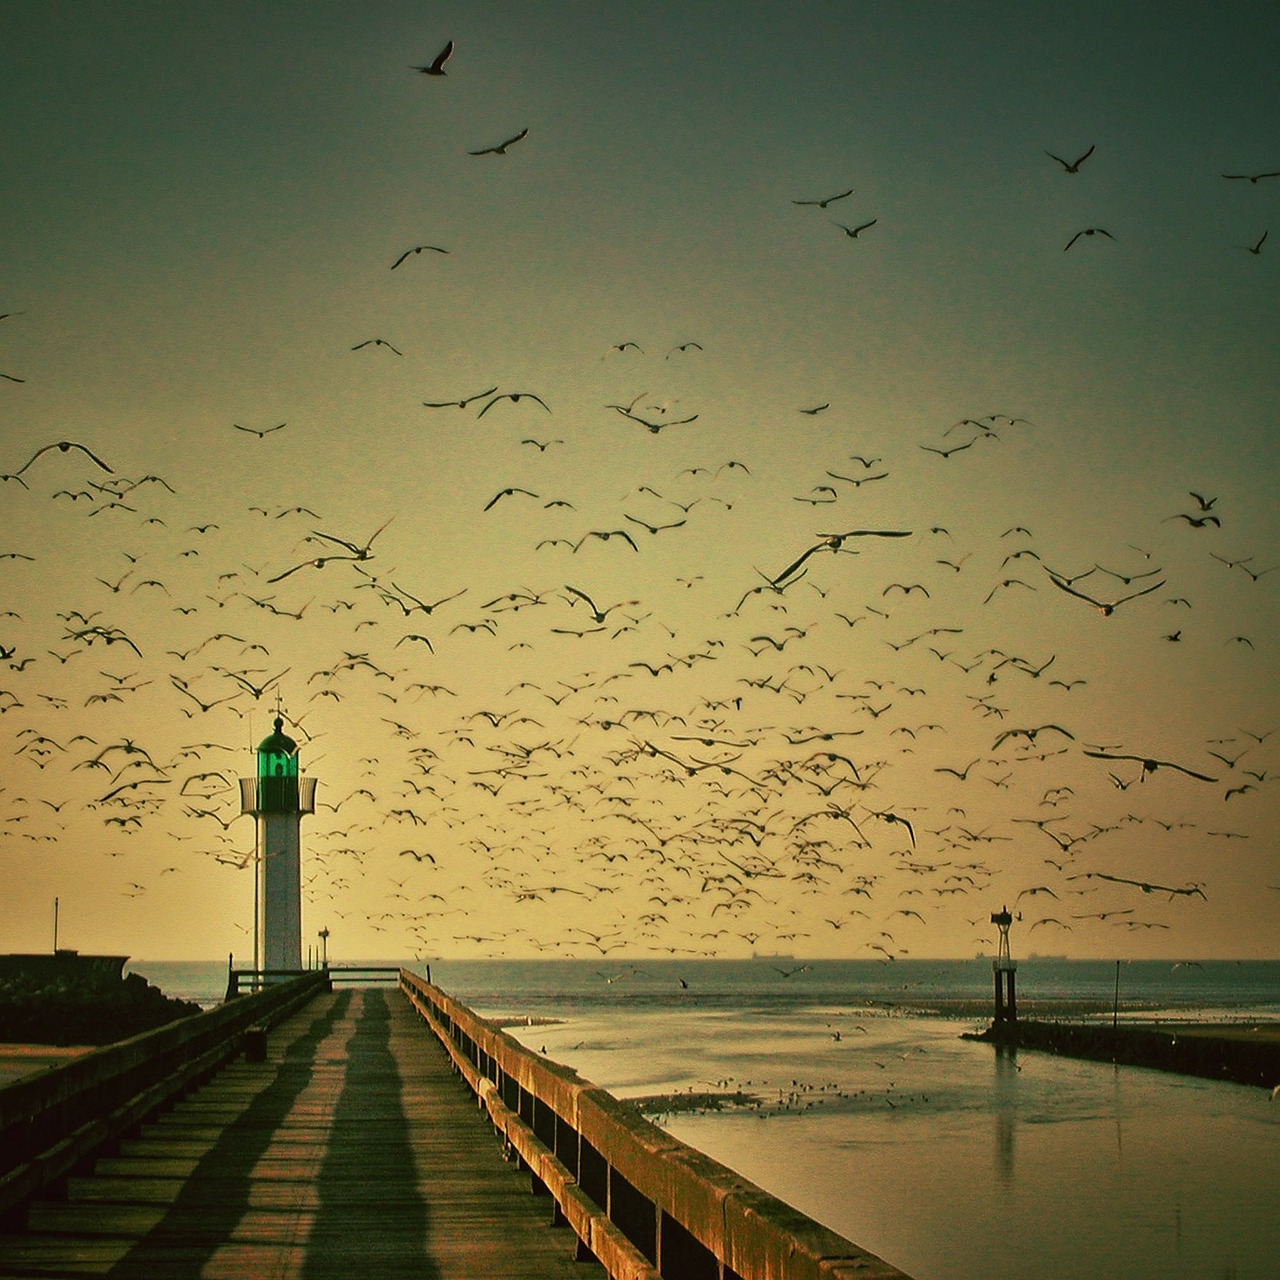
x,y
1243,1054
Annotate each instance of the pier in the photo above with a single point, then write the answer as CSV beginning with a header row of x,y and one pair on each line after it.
x,y
384,1131
1243,1054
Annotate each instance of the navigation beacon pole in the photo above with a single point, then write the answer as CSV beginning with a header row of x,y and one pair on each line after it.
x,y
1005,968
278,798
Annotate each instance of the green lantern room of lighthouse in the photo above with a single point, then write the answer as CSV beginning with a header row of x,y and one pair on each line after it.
x,y
278,772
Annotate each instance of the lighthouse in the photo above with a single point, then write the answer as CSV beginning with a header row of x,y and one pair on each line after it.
x,y
277,797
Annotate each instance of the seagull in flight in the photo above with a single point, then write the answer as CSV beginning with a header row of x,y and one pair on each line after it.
x,y
1088,231
515,397
417,248
1104,607
834,542
458,404
1071,166
1188,890
507,493
501,148
854,232
64,446
1149,765
822,204
436,66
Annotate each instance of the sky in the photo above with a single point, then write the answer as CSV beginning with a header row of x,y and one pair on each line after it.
x,y
610,653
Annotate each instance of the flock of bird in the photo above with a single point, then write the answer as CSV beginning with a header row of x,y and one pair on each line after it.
x,y
620,747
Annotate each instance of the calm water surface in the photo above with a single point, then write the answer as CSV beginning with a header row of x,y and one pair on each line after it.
x,y
956,1162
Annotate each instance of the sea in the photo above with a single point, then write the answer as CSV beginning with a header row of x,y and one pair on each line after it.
x,y
865,1108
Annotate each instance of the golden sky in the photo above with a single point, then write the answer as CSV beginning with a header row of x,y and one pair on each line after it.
x,y
557,655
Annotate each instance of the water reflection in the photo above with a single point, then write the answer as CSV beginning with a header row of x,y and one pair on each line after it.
x,y
1093,1170
1005,1109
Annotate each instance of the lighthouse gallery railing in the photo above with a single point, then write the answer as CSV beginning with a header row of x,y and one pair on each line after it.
x,y
278,795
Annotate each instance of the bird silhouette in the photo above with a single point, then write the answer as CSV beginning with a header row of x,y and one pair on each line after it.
x,y
1088,231
854,232
417,248
436,66
64,446
458,404
1148,764
1196,522
1071,166
1106,608
500,149
507,493
515,397
822,204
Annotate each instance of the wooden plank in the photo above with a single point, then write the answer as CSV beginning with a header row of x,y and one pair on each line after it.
x,y
353,1151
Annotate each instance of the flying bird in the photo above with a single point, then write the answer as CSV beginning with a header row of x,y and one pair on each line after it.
x,y
834,542
1088,231
1149,765
854,232
946,453
822,204
507,493
597,614
253,431
418,248
457,404
515,397
436,66
1071,166
63,446
604,535
1188,890
1196,522
1106,608
501,148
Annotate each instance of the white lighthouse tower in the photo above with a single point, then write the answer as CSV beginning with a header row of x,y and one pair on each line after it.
x,y
278,798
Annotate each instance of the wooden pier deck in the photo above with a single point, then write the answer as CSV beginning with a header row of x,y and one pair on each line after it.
x,y
353,1152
